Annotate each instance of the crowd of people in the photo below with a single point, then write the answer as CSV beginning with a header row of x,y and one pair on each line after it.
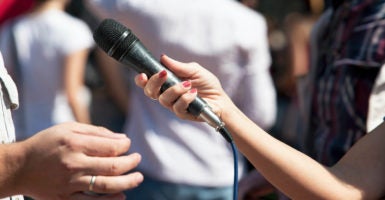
x,y
75,124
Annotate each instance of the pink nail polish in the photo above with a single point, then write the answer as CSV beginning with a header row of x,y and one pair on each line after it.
x,y
186,84
141,77
162,74
193,90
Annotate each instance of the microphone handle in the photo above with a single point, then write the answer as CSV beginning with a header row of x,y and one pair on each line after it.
x,y
142,61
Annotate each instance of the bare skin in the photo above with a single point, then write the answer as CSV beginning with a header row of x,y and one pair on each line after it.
x,y
360,174
57,163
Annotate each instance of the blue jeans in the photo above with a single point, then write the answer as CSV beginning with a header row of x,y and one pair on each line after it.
x,y
152,189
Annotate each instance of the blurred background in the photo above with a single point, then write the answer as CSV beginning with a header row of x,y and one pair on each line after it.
x,y
289,27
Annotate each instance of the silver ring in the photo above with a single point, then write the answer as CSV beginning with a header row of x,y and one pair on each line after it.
x,y
92,183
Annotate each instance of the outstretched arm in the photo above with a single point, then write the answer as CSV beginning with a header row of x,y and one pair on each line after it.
x,y
296,174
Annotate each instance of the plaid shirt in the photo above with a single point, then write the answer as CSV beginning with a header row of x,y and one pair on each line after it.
x,y
350,54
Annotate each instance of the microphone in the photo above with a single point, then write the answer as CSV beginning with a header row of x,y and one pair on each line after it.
x,y
120,43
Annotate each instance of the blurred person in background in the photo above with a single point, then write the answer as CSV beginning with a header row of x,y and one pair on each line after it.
x,y
45,52
340,95
180,160
289,30
108,104
66,161
343,90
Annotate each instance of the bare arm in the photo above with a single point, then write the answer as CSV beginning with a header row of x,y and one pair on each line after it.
x,y
296,174
74,69
364,165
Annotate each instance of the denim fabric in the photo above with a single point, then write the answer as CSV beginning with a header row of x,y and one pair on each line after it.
x,y
152,189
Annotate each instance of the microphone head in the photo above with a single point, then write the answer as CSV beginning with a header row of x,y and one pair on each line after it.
x,y
113,38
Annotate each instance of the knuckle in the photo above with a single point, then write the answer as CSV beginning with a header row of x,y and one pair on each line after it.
x,y
115,150
103,187
69,167
184,98
165,103
71,143
147,92
113,168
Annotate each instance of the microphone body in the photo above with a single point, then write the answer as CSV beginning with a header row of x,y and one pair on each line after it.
x,y
120,43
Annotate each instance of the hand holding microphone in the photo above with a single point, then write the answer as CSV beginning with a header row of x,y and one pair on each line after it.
x,y
120,43
178,97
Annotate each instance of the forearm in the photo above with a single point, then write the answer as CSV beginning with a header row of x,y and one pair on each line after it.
x,y
291,171
79,109
12,157
74,86
81,113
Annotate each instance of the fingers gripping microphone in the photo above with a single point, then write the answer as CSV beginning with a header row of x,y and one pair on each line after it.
x,y
120,43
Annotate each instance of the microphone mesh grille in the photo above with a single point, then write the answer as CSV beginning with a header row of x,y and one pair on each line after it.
x,y
108,33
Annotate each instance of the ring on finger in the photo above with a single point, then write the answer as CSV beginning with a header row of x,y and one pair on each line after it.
x,y
92,183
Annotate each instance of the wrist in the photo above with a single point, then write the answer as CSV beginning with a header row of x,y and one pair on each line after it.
x,y
229,111
235,120
12,159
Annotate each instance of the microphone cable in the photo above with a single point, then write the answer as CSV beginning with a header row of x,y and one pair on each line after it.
x,y
222,130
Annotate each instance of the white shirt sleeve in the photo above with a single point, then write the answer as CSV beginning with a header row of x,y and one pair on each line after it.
x,y
257,86
79,38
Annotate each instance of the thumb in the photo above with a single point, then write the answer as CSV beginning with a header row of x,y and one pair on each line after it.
x,y
180,69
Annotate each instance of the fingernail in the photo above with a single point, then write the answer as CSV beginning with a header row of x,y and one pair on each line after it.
x,y
138,156
186,84
141,77
162,74
139,178
193,90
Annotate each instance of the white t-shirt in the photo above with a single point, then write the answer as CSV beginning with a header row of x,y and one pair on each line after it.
x,y
42,41
221,35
